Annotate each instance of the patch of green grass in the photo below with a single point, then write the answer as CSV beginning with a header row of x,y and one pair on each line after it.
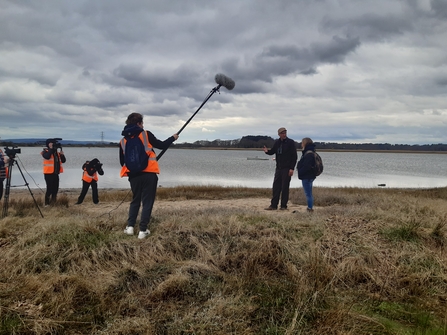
x,y
10,323
210,192
438,234
254,219
274,300
400,318
406,232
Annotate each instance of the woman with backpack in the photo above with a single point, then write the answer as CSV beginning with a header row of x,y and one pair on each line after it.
x,y
136,147
309,167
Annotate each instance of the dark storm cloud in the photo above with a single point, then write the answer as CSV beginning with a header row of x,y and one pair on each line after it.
x,y
442,81
368,26
47,78
283,60
106,99
143,76
439,7
37,25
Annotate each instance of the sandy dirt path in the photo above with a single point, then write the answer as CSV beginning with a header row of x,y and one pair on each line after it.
x,y
251,204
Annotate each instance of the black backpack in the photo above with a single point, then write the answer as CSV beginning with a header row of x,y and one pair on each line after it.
x,y
318,168
135,156
318,164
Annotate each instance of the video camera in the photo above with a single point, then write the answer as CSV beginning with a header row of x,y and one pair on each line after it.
x,y
94,166
11,152
55,141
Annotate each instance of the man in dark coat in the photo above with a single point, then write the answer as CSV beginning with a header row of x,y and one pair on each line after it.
x,y
285,150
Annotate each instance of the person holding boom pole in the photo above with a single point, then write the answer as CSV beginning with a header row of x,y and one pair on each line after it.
x,y
141,166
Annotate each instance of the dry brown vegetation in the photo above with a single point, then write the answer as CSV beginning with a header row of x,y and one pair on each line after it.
x,y
367,261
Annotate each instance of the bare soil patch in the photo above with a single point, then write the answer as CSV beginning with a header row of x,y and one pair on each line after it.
x,y
252,204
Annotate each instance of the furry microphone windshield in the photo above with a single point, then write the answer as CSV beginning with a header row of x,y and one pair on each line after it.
x,y
224,81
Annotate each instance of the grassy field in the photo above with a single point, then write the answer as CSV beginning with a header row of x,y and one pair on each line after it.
x,y
367,261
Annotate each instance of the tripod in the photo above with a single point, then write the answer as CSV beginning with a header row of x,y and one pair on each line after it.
x,y
8,187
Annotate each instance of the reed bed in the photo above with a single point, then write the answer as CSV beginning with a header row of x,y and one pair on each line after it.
x,y
366,261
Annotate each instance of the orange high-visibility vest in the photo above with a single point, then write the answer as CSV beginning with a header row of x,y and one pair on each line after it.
x,y
48,164
4,172
4,169
152,164
87,178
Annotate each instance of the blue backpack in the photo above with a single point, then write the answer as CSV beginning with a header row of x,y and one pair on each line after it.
x,y
135,156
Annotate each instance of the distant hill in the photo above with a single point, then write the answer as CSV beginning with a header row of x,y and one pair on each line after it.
x,y
41,141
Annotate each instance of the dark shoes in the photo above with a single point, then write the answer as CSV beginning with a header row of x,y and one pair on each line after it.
x,y
283,209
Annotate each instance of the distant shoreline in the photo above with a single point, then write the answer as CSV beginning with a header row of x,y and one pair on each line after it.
x,y
326,150
257,149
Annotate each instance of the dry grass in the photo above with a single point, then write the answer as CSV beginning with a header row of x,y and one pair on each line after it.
x,y
367,261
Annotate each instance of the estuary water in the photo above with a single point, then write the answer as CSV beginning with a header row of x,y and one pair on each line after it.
x,y
232,168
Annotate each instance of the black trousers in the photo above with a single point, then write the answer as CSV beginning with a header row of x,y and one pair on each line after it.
x,y
144,190
281,186
52,181
1,188
85,187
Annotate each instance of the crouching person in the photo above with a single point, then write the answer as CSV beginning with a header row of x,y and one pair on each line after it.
x,y
90,178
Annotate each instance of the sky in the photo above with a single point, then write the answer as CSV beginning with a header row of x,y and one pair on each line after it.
x,y
346,71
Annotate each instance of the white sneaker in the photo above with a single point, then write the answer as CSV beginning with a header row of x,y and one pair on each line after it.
x,y
143,234
128,230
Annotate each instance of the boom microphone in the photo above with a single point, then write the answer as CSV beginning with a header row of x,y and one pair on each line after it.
x,y
224,81
221,80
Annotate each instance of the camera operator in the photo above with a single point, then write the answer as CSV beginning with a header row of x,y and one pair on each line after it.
x,y
90,178
52,166
3,170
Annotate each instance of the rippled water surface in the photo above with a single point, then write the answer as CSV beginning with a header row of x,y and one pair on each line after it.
x,y
232,168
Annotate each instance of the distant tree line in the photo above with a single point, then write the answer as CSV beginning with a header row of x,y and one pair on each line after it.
x,y
258,141
72,144
252,141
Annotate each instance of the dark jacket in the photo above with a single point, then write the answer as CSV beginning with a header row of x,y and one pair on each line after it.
x,y
93,166
285,152
306,164
132,130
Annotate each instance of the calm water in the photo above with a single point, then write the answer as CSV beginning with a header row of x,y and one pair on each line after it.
x,y
231,168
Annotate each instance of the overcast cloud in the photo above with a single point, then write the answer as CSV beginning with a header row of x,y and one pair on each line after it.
x,y
333,70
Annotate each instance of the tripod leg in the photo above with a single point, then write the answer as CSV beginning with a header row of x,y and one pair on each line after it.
x,y
30,192
7,188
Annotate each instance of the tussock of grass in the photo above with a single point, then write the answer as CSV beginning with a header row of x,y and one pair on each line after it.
x,y
367,261
210,193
